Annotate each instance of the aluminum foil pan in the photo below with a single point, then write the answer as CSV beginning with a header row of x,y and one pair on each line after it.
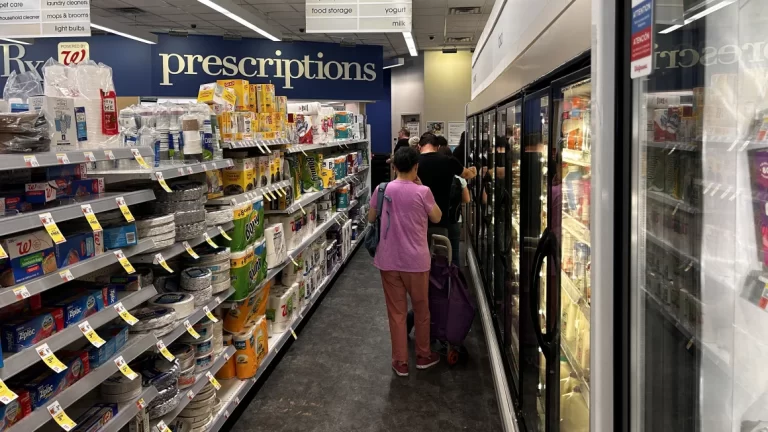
x,y
202,296
163,375
221,286
165,407
153,317
218,217
188,232
157,231
162,244
182,191
153,221
190,216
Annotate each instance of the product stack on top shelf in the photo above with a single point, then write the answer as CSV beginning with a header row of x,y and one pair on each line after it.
x,y
155,259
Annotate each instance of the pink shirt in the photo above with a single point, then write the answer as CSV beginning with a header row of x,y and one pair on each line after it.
x,y
404,246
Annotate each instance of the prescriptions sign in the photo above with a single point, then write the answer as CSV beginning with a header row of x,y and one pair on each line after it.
x,y
641,42
358,16
45,18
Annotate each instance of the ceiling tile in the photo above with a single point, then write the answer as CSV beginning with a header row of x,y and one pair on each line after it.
x,y
429,12
275,7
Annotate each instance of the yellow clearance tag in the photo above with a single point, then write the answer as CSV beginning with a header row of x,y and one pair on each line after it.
x,y
191,330
66,275
125,315
125,369
224,233
266,197
208,239
160,260
139,158
190,251
165,352
62,158
91,217
60,417
91,334
31,161
209,314
3,253
161,427
52,228
21,293
140,404
214,382
162,182
124,262
6,395
124,209
50,359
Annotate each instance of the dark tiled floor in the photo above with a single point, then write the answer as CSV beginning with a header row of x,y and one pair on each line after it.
x,y
337,376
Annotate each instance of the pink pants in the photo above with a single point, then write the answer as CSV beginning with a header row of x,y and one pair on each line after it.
x,y
396,285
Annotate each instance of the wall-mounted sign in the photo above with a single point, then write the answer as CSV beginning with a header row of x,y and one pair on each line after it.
x,y
45,18
358,16
641,41
455,129
73,52
436,127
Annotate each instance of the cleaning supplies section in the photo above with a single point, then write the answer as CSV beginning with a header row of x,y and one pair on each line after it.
x,y
152,271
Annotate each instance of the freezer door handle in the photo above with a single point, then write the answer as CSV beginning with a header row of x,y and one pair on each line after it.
x,y
547,242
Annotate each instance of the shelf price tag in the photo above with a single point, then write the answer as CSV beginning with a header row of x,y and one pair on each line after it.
x,y
21,293
125,315
191,330
3,253
279,192
89,157
53,230
125,369
6,395
60,417
91,334
266,196
124,209
161,427
214,382
50,359
209,314
162,182
140,404
124,262
190,251
31,161
160,260
91,217
210,242
139,158
293,333
302,209
109,154
190,170
223,233
62,158
66,275
165,352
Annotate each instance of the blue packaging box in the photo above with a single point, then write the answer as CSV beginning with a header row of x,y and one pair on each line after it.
x,y
72,171
31,329
86,187
96,417
98,356
80,306
78,247
120,236
43,387
116,337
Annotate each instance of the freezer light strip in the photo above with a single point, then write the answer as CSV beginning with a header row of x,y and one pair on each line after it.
x,y
240,19
699,15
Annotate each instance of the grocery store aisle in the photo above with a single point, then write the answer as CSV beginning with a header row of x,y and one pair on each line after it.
x,y
337,375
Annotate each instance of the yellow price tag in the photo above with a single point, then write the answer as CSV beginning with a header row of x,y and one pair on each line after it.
x,y
50,359
293,333
302,209
124,262
209,314
125,315
62,158
161,427
31,161
52,228
164,351
91,217
224,233
190,251
214,382
208,239
191,330
160,260
125,369
124,209
60,417
21,293
6,395
139,158
66,275
140,404
162,182
89,156
3,253
91,334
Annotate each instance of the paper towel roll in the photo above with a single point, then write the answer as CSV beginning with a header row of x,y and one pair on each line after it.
x,y
246,362
276,248
308,108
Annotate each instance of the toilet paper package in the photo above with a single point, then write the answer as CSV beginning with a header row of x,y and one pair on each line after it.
x,y
260,261
301,294
241,264
292,226
254,229
261,338
228,369
280,309
293,272
241,312
311,218
296,303
240,220
309,286
246,363
276,248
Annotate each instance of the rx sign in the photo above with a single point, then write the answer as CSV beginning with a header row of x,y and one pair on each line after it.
x,y
73,52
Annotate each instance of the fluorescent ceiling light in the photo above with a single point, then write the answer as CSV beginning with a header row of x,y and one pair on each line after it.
x,y
671,29
394,63
237,13
411,44
14,41
123,30
136,38
699,15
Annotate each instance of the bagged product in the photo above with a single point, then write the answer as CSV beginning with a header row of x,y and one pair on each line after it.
x,y
228,370
261,338
241,265
240,219
309,170
246,362
260,262
255,228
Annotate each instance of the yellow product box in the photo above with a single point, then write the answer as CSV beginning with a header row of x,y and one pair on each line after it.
x,y
265,122
328,173
244,125
265,93
215,182
242,92
281,103
216,94
264,176
277,122
239,178
252,101
226,125
276,166
269,135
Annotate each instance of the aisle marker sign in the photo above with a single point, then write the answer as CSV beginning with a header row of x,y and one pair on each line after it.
x,y
140,404
89,157
60,417
214,382
210,315
191,330
66,275
31,161
124,262
162,182
6,395
641,41
139,158
21,293
109,154
210,242
62,158
3,253
160,260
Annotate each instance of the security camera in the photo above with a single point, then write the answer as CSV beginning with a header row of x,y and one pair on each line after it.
x,y
431,37
194,26
301,30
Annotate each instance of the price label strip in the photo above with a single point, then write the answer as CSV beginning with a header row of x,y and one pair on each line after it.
x,y
161,427
165,352
224,233
209,314
124,262
160,260
62,158
210,242
21,293
125,315
50,359
191,330
125,369
60,417
214,382
31,161
66,275
6,395
53,230
139,158
91,334
190,251
162,182
124,209
91,217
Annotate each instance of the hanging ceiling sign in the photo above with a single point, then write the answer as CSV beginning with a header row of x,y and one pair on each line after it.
x,y
44,18
359,16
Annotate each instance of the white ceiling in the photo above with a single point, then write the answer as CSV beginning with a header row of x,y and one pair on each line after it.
x,y
430,18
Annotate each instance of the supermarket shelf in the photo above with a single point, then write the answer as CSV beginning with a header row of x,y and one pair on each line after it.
x,y
669,200
52,280
236,200
196,316
40,416
352,204
99,203
309,198
575,157
577,369
200,382
167,171
18,362
573,293
234,390
17,161
178,247
660,242
576,228
128,410
336,143
673,145
362,192
256,143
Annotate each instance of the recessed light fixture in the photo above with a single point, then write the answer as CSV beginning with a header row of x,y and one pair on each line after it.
x,y
15,41
411,44
242,16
